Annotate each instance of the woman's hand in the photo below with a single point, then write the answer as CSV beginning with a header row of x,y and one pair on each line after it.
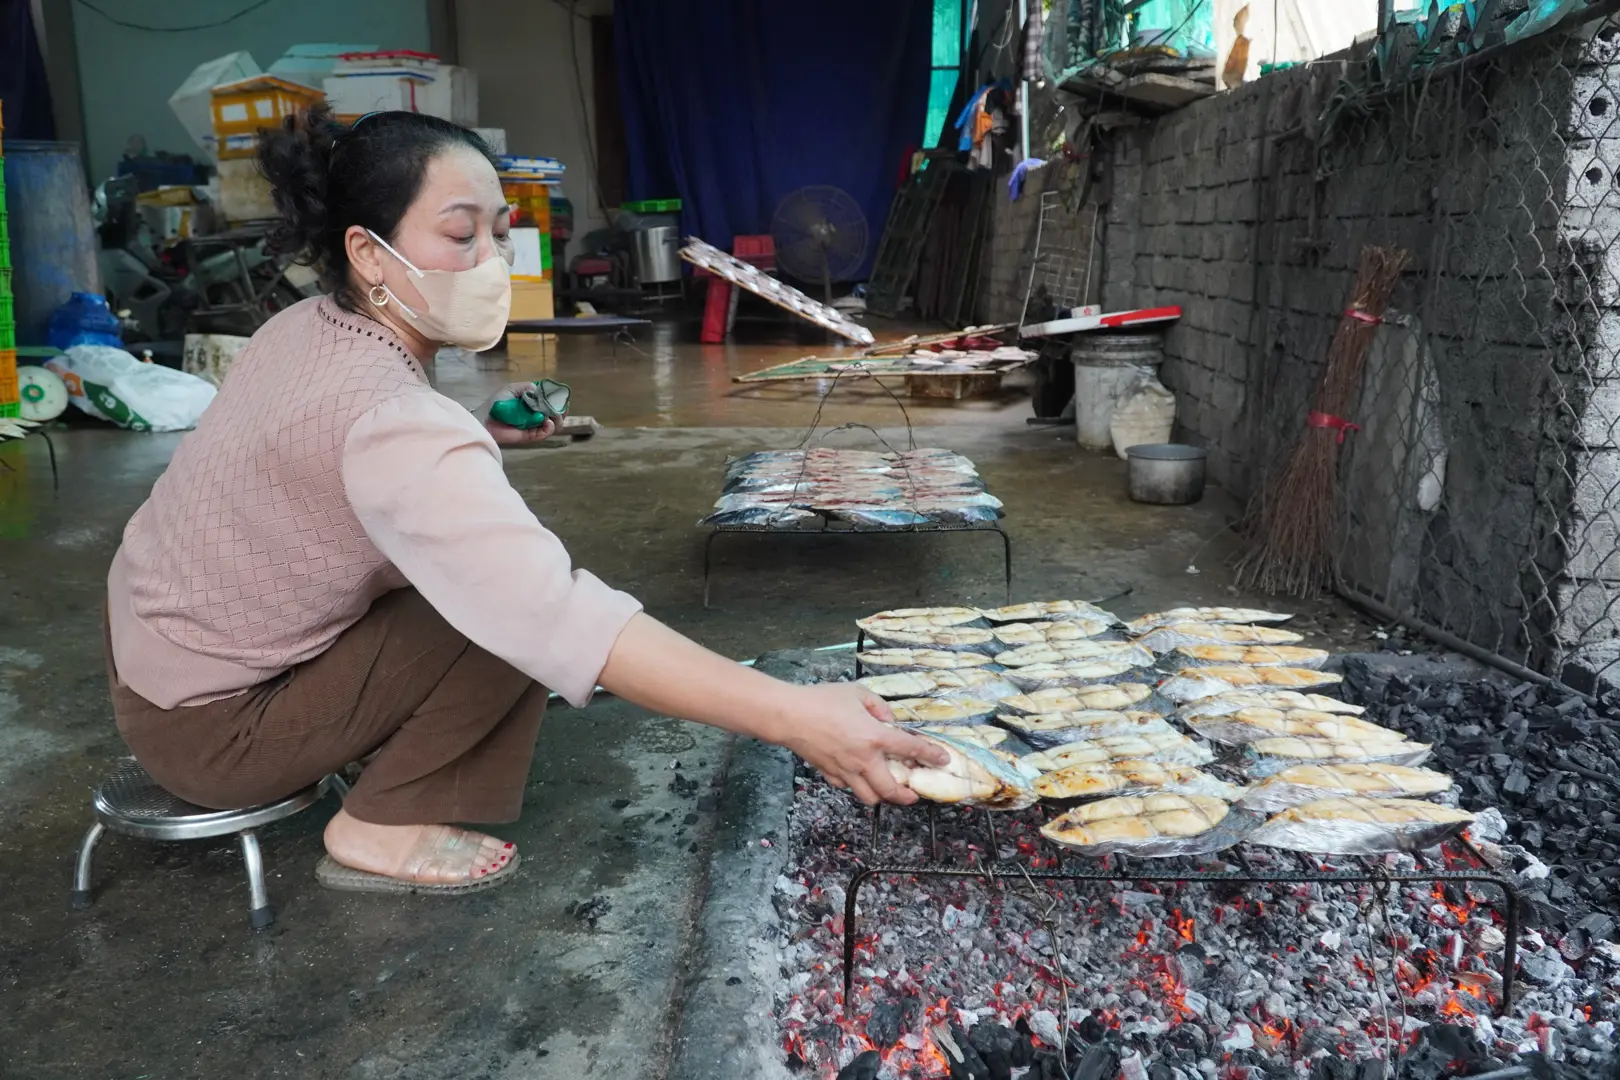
x,y
840,728
506,434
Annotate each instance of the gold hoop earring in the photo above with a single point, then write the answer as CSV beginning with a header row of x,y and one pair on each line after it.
x,y
375,300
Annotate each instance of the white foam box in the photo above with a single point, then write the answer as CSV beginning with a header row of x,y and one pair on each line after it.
x,y
526,262
450,93
192,104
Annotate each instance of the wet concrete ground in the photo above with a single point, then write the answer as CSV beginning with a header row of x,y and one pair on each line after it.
x,y
162,978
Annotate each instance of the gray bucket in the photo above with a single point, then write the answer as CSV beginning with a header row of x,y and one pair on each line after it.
x,y
1166,474
1106,368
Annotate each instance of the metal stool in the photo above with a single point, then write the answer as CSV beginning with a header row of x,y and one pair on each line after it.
x,y
132,803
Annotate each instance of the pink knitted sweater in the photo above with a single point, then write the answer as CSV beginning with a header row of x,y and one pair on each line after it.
x,y
326,473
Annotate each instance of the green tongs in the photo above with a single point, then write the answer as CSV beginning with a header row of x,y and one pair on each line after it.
x,y
544,400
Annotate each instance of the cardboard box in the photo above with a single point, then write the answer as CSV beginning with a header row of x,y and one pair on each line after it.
x,y
244,194
193,105
532,300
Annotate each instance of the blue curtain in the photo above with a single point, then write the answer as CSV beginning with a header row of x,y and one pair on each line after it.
x,y
23,89
733,104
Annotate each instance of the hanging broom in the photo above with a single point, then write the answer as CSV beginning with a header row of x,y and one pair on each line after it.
x,y
1293,518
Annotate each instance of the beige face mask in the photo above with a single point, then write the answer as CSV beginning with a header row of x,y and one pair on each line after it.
x,y
462,307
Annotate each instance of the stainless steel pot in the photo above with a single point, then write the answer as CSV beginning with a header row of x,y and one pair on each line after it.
x,y
1167,474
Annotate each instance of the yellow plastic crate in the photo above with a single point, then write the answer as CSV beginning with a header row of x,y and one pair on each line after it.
x,y
243,107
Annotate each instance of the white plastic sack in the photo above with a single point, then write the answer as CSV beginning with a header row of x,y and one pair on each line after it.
x,y
112,385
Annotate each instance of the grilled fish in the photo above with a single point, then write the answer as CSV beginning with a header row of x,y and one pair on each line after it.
x,y
1060,652
1203,615
1238,700
983,735
1069,673
1356,826
1055,729
1248,725
1050,609
1166,638
941,710
1172,747
1133,817
1111,696
1129,774
912,684
919,618
1015,635
1253,655
953,638
1305,749
1190,684
1300,784
889,661
974,776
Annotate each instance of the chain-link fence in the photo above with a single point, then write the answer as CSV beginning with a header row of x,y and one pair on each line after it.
x,y
1482,494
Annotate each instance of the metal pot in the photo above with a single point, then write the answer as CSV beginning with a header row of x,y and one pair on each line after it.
x,y
1167,474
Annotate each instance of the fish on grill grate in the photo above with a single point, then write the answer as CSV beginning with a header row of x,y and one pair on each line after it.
x,y
1059,652
1251,655
1167,638
974,776
1192,683
1050,609
1159,619
1251,725
1016,635
1111,696
1136,817
971,682
1068,673
1269,756
1357,826
942,711
920,618
1130,776
891,661
1238,700
1047,730
1301,784
1166,747
951,638
983,735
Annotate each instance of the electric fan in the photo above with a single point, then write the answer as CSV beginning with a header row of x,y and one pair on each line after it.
x,y
820,233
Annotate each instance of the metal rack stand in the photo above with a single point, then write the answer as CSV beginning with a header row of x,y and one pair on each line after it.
x,y
827,529
1124,873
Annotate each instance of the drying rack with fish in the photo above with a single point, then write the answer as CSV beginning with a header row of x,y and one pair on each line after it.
x,y
960,364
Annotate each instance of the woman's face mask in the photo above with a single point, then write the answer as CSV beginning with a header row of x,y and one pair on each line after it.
x,y
461,307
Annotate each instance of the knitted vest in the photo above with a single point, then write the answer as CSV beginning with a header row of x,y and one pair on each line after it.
x,y
247,559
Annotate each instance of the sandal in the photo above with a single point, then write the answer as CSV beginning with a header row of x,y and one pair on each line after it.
x,y
438,848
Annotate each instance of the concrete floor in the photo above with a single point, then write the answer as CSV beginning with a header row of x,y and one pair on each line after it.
x,y
163,979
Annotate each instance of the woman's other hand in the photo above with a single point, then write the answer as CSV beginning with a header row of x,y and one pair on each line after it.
x,y
506,434
844,730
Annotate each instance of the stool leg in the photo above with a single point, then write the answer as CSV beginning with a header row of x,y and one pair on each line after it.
x,y
336,783
260,914
81,868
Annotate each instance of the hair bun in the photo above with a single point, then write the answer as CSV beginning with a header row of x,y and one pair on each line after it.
x,y
296,158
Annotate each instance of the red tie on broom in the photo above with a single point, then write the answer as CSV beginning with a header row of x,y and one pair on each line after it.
x,y
1292,520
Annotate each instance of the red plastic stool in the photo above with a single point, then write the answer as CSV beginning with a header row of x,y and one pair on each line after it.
x,y
720,305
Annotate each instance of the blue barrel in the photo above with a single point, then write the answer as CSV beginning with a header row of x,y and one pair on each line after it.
x,y
53,239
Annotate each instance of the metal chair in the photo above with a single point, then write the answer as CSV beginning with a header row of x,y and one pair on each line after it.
x,y
131,802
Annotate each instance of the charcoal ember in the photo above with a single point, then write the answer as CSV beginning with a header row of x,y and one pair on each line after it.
x,y
1598,925
1546,968
989,1037
1333,1067
891,1019
1100,1062
1190,1037
864,1067
1091,1030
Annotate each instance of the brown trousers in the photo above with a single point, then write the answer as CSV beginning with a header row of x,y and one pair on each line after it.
x,y
454,727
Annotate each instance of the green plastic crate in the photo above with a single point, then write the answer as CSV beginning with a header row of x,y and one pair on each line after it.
x,y
5,254
11,409
654,206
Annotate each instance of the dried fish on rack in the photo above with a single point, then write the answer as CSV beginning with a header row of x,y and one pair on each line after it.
x,y
1152,826
982,735
1054,631
1061,652
942,711
1047,730
951,638
1159,619
1251,725
891,661
1110,696
1167,638
1356,826
973,682
974,776
1190,684
1269,756
1238,700
1171,748
1069,673
1301,784
1042,610
1251,655
921,618
1132,777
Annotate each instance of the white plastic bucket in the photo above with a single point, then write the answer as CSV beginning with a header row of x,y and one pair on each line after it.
x,y
1106,368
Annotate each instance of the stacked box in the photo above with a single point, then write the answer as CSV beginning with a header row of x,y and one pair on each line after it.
x,y
10,398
